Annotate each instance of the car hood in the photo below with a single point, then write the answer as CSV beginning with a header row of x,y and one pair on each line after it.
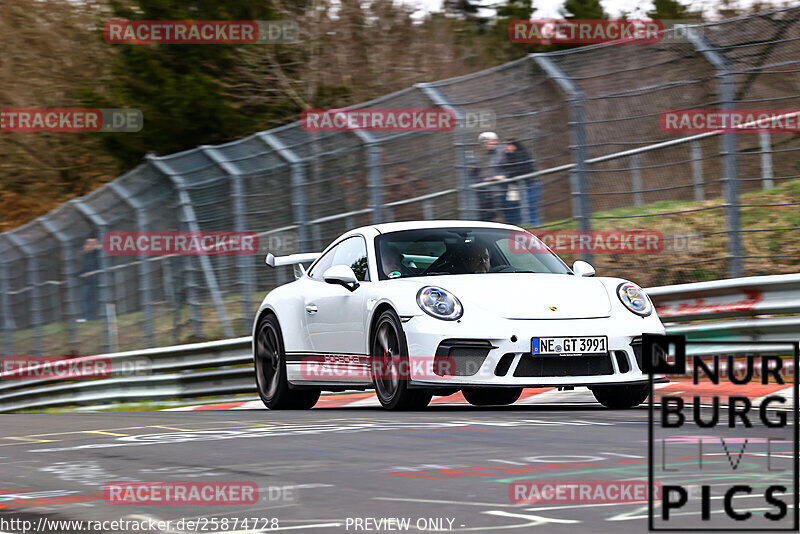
x,y
527,295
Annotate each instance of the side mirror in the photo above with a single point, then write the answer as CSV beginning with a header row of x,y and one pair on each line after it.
x,y
581,268
341,275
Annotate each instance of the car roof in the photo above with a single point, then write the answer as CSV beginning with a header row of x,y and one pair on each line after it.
x,y
385,228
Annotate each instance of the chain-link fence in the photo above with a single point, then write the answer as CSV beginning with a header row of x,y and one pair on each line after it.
x,y
598,160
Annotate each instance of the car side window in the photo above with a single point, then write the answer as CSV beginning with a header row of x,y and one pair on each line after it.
x,y
323,264
351,252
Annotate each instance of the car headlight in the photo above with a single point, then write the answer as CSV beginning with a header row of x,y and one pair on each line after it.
x,y
439,303
634,298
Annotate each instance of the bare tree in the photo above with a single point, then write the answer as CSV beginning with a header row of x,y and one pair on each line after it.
x,y
51,54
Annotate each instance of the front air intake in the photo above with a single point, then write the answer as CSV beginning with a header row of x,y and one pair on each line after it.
x,y
539,366
461,357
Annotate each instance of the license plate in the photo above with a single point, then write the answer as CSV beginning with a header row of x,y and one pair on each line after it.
x,y
569,345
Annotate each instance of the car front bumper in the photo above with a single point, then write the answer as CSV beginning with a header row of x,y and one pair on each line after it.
x,y
508,360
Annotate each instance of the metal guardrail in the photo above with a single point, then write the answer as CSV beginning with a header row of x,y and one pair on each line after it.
x,y
184,372
737,297
223,368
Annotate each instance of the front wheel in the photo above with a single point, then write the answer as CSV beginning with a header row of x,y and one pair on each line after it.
x,y
491,396
621,397
390,366
270,365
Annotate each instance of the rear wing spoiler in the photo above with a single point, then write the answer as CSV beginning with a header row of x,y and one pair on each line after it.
x,y
293,259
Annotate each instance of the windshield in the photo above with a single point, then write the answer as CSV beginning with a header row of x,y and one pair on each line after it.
x,y
439,251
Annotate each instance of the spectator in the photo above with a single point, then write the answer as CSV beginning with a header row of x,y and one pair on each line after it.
x,y
519,162
489,197
88,276
475,176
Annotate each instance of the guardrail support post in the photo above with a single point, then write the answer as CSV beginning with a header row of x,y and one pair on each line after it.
x,y
580,183
243,263
191,222
297,164
730,165
466,195
144,267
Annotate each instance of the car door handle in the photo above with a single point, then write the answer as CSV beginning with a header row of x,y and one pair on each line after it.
x,y
311,308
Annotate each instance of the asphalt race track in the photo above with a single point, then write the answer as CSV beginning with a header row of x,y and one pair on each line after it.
x,y
447,468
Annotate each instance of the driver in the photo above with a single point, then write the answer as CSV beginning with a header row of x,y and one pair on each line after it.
x,y
476,258
392,262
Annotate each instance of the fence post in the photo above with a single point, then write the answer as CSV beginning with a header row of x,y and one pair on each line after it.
x,y
104,286
187,209
243,262
730,165
766,160
580,183
144,267
5,309
316,238
636,181
33,280
300,217
169,292
192,300
466,194
697,171
68,260
376,184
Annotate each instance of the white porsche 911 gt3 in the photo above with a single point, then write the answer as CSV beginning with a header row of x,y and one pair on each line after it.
x,y
425,308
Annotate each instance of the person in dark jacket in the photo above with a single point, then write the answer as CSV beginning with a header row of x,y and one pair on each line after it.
x,y
490,196
518,162
89,276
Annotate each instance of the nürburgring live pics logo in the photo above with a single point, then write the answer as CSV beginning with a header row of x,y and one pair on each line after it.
x,y
724,447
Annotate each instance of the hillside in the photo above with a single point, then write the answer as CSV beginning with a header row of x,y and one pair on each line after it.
x,y
770,249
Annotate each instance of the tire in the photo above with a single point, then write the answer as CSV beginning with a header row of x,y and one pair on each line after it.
x,y
270,366
621,397
389,362
491,396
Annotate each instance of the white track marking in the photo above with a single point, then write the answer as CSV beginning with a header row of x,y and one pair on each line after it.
x,y
462,503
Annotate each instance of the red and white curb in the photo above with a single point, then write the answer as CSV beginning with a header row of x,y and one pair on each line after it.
x,y
579,395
